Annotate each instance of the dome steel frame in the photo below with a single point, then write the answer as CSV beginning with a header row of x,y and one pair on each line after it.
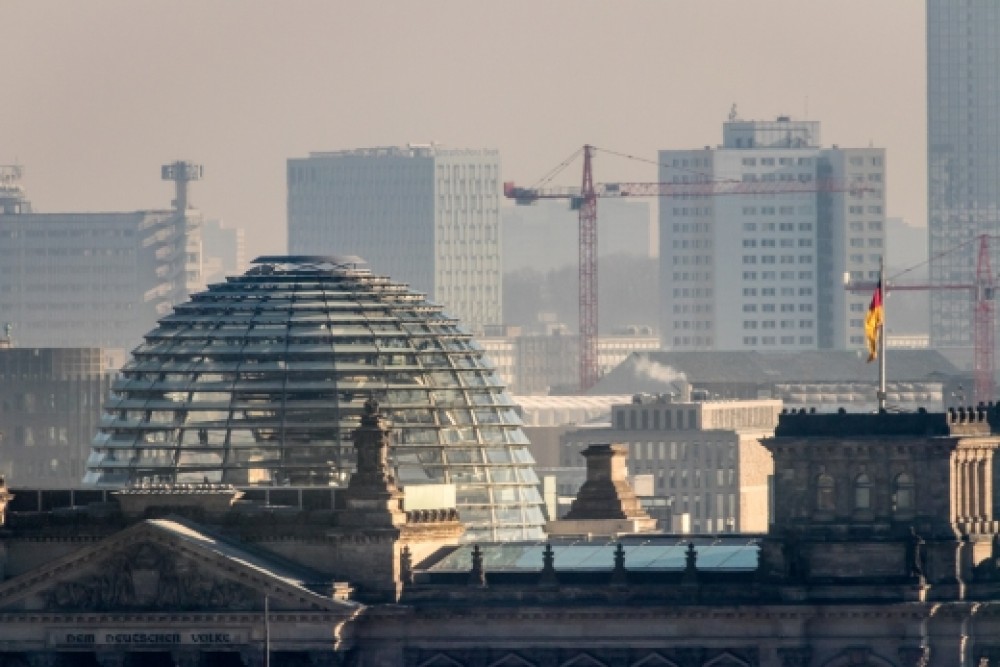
x,y
262,379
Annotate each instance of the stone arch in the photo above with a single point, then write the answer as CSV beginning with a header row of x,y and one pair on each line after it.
x,y
440,660
727,659
583,660
654,660
511,660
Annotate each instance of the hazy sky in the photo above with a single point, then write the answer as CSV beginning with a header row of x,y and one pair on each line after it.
x,y
96,95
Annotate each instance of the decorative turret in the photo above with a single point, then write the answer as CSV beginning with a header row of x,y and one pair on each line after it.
x,y
372,498
606,503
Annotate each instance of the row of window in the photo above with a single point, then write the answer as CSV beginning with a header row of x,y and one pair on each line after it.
x,y
783,161
784,243
774,275
770,307
771,291
771,324
751,341
772,259
777,226
781,210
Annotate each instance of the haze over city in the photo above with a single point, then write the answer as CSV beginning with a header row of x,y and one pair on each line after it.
x,y
100,94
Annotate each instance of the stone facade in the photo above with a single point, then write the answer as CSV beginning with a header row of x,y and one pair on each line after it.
x,y
879,553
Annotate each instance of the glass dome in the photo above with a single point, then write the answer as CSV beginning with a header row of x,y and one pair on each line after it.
x,y
261,380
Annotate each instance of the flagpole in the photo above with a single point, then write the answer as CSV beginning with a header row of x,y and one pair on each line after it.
x,y
267,632
881,335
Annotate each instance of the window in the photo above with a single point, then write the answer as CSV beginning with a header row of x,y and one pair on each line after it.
x,y
825,487
862,492
902,497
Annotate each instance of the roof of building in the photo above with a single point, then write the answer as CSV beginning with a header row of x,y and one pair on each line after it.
x,y
656,372
260,381
647,552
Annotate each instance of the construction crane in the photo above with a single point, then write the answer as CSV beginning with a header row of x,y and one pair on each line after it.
x,y
584,199
983,315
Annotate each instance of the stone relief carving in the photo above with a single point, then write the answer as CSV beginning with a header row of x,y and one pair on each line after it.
x,y
147,577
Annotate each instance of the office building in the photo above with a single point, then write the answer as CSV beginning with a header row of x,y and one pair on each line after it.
x,y
50,408
704,455
963,155
539,365
427,215
761,264
260,381
93,279
223,251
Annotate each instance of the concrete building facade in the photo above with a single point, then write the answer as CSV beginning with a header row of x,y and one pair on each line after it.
x,y
50,408
762,269
538,365
428,215
704,455
963,154
93,279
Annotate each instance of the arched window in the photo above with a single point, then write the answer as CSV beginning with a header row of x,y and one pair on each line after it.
x,y
862,492
902,495
825,493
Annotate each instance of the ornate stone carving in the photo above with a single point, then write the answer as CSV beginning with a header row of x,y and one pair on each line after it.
x,y
477,575
548,574
147,577
619,576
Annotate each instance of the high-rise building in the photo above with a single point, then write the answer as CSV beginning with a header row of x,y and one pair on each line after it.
x,y
963,153
92,279
426,215
50,407
223,251
762,269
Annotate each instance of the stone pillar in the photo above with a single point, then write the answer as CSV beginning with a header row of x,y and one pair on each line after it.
x,y
988,488
5,497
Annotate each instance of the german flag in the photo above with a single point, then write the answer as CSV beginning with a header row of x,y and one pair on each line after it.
x,y
873,322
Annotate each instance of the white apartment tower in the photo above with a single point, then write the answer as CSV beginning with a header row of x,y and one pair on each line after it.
x,y
421,213
757,268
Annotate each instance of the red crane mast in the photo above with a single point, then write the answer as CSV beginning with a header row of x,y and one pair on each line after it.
x,y
584,199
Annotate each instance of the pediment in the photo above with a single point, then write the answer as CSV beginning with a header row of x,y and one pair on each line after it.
x,y
161,565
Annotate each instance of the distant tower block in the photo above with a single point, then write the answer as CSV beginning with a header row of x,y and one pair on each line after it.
x,y
181,173
12,200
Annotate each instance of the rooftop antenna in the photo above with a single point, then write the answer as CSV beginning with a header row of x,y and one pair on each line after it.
x,y
181,173
732,113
